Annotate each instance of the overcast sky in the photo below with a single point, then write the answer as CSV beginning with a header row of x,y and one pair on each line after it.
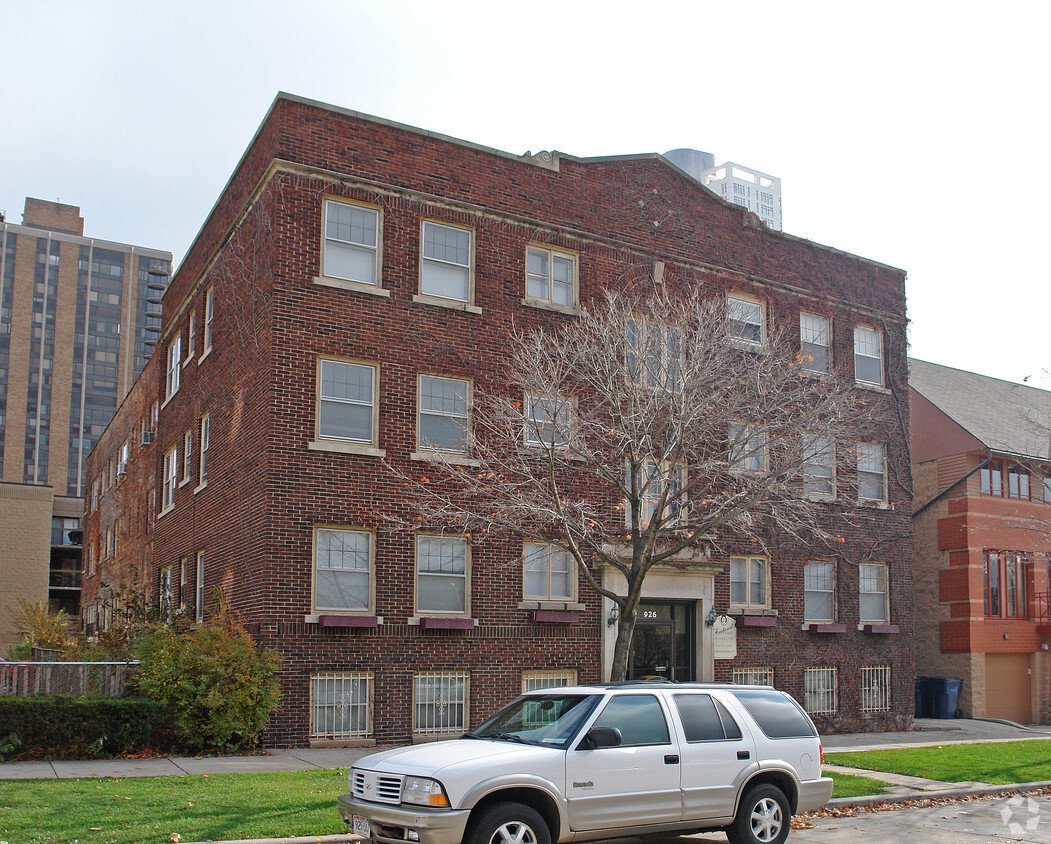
x,y
912,133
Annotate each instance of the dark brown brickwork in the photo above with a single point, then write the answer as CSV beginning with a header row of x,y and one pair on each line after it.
x,y
267,489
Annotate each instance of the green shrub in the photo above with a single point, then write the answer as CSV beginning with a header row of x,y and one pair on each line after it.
x,y
220,686
76,727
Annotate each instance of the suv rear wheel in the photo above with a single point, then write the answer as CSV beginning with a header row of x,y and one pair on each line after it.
x,y
508,823
762,818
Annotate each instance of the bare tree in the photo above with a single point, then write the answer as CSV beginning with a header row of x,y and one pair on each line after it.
x,y
643,433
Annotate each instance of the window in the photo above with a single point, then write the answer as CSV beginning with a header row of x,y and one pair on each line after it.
x,y
875,688
187,455
639,718
209,307
872,472
548,423
122,458
1001,475
164,595
1005,584
749,579
819,688
347,401
652,479
342,570
551,277
534,680
171,384
753,676
747,449
445,270
441,574
191,335
439,702
705,719
819,591
351,242
815,342
171,469
443,420
206,429
873,605
547,572
653,354
198,606
745,320
868,355
819,470
1047,485
341,705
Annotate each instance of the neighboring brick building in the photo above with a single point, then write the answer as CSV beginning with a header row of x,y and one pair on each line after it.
x,y
982,473
353,284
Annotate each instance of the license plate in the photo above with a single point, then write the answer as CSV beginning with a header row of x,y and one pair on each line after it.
x,y
361,827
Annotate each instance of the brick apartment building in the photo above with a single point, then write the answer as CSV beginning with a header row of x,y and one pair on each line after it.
x,y
352,286
982,470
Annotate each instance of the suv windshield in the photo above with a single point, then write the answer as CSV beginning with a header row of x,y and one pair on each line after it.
x,y
547,719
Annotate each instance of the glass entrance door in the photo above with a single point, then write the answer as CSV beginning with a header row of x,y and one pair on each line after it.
x,y
663,644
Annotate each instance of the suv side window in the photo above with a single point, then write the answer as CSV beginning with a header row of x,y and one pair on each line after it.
x,y
704,719
777,715
639,718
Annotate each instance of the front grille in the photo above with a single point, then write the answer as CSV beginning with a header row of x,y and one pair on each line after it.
x,y
377,788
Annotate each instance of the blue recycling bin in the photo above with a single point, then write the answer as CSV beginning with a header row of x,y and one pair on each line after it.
x,y
945,696
923,697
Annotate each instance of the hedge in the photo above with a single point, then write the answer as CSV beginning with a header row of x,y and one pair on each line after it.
x,y
76,727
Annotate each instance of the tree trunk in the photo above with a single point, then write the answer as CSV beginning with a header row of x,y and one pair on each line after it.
x,y
622,648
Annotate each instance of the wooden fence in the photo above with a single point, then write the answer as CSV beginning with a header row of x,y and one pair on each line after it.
x,y
23,679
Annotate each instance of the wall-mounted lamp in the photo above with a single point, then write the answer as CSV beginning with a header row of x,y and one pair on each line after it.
x,y
614,614
712,615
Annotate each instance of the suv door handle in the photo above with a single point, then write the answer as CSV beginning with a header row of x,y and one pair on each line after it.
x,y
671,759
743,754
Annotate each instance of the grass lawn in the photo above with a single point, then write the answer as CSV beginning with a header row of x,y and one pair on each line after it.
x,y
998,763
848,785
144,810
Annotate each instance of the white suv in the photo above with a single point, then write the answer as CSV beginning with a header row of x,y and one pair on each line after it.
x,y
588,762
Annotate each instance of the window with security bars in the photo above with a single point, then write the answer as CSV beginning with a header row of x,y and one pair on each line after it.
x,y
753,676
533,680
439,702
341,706
875,688
819,687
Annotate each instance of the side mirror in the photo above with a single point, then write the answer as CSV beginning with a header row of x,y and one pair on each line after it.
x,y
601,737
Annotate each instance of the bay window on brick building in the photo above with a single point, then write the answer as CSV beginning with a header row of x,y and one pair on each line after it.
x,y
350,297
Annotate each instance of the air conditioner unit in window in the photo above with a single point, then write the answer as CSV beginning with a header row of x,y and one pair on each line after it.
x,y
146,438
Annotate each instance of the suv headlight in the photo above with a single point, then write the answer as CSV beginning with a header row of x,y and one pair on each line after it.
x,y
422,791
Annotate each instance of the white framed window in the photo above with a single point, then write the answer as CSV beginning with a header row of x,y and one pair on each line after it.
x,y
191,335
875,688
653,354
815,342
533,680
548,423
868,355
820,695
747,448
171,471
206,435
347,401
872,472
351,242
439,703
343,565
819,591
873,597
183,593
749,582
746,320
753,676
547,572
443,414
164,595
122,458
187,456
209,311
441,575
341,705
819,467
551,277
171,383
198,604
445,267
653,477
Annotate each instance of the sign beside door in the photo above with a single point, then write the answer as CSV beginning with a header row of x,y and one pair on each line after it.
x,y
724,638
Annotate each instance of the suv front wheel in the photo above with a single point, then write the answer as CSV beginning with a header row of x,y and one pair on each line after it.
x,y
508,823
762,818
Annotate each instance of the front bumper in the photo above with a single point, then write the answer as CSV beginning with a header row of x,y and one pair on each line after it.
x,y
813,794
391,824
